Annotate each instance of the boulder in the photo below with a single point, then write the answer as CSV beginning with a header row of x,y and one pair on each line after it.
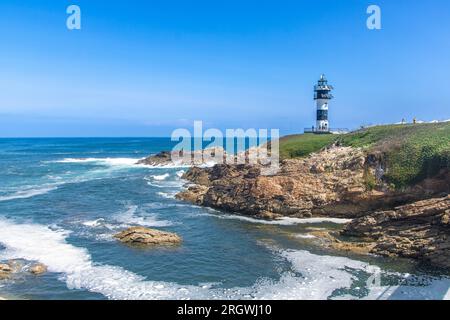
x,y
147,237
38,269
5,271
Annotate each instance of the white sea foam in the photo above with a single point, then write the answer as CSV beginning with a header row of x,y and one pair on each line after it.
x,y
112,164
167,195
180,173
102,161
124,162
94,223
285,221
134,216
305,236
318,277
28,193
161,177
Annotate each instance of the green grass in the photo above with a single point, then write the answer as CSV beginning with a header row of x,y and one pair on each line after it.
x,y
412,152
302,145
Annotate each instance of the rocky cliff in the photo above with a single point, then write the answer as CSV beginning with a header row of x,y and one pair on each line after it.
x,y
341,182
336,182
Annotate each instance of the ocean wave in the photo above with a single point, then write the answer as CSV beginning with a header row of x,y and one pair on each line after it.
x,y
132,216
285,221
313,276
102,161
94,223
28,193
161,177
120,162
125,162
304,236
167,195
180,173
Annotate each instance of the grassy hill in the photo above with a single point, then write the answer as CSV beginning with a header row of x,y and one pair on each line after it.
x,y
412,152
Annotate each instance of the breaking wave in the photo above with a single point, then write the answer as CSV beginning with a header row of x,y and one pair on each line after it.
x,y
102,161
133,215
312,277
160,177
28,193
285,221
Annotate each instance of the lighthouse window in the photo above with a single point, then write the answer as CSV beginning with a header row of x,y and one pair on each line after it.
x,y
322,114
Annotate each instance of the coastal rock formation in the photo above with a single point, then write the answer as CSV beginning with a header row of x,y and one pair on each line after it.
x,y
162,158
207,157
17,267
179,158
147,237
340,182
5,271
38,269
332,182
419,230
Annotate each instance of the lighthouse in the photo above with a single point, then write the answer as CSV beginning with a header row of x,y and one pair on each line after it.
x,y
322,96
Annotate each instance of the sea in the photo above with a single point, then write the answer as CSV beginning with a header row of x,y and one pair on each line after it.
x,y
62,200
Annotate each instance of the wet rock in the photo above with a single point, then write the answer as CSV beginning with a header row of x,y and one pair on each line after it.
x,y
162,158
16,265
5,271
419,230
147,237
38,269
330,240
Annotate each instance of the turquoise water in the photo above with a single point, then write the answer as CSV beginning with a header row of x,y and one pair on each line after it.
x,y
62,200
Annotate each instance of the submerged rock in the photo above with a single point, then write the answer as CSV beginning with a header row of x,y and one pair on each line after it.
x,y
16,265
38,269
147,237
5,271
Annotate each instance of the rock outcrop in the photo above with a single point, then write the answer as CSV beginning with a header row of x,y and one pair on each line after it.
x,y
207,157
331,183
160,159
179,158
38,269
5,271
12,267
141,236
419,230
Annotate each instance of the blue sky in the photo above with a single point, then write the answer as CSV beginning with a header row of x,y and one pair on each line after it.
x,y
143,68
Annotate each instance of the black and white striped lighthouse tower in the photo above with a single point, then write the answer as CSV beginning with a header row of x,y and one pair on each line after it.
x,y
322,96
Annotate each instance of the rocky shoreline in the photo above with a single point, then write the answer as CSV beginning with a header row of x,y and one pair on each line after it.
x,y
337,182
